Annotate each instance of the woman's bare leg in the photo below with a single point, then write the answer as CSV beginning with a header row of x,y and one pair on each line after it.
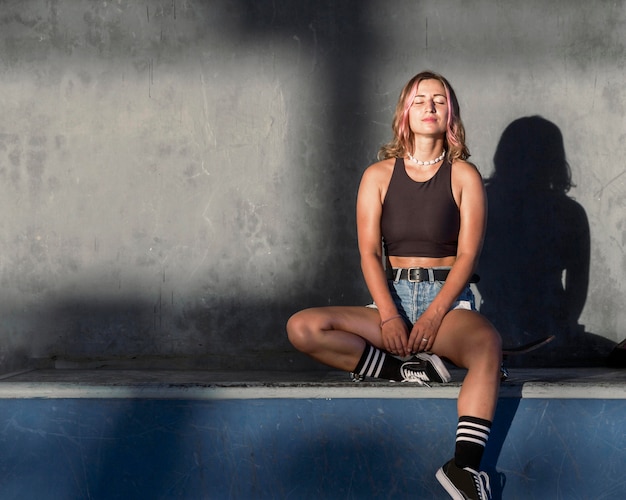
x,y
335,336
470,341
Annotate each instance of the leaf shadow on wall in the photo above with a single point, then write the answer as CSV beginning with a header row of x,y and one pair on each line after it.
x,y
535,262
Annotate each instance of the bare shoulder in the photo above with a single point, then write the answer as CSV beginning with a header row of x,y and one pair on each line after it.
x,y
465,172
375,182
379,172
381,167
463,167
467,183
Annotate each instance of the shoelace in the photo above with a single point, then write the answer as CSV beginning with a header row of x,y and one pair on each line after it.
x,y
355,377
409,375
481,480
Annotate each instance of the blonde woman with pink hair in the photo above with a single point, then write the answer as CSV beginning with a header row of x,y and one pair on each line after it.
x,y
421,215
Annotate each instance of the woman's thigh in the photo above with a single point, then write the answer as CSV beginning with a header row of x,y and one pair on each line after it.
x,y
356,320
467,336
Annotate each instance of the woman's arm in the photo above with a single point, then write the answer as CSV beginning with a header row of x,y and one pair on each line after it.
x,y
368,215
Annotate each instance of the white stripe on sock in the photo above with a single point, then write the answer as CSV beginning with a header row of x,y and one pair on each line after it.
x,y
367,360
478,427
472,432
373,362
481,434
472,440
380,364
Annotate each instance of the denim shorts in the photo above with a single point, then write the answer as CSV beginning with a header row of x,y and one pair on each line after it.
x,y
413,298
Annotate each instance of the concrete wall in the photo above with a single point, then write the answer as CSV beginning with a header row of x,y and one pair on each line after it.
x,y
177,177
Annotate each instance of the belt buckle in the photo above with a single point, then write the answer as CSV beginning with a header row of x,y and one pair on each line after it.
x,y
419,274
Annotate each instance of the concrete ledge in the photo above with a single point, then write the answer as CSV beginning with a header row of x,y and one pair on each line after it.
x,y
571,383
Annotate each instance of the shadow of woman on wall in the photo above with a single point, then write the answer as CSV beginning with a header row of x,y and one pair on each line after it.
x,y
535,261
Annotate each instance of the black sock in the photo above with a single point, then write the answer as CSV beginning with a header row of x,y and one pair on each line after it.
x,y
378,364
471,437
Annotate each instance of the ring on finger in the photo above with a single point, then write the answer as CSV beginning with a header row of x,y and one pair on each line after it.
x,y
424,340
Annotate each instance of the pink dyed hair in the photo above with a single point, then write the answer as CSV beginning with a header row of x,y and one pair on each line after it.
x,y
402,143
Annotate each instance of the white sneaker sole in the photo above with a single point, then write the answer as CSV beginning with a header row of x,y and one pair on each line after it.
x,y
448,486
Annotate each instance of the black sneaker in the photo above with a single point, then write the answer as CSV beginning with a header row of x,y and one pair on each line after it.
x,y
464,484
423,368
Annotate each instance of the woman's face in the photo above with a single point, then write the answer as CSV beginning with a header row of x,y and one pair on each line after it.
x,y
428,114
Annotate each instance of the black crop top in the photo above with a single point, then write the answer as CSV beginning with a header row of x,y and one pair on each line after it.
x,y
420,219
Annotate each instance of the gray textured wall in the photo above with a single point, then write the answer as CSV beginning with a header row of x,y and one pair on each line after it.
x,y
177,177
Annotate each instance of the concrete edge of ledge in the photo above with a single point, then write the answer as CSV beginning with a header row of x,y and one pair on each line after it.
x,y
528,390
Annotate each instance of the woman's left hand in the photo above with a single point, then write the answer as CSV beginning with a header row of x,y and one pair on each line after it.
x,y
423,334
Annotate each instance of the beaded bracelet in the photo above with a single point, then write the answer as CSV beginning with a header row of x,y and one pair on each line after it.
x,y
389,319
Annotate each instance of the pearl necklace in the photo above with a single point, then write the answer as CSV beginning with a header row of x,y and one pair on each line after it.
x,y
431,162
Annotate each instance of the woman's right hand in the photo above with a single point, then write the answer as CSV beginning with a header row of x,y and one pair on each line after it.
x,y
395,336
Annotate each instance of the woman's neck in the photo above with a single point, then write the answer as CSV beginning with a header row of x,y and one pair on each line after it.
x,y
427,148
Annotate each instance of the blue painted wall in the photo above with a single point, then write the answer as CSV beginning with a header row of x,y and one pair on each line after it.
x,y
301,449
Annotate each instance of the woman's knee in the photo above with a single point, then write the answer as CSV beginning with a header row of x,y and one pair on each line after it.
x,y
487,352
490,338
300,329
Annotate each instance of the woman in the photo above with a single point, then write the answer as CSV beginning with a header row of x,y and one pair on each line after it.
x,y
423,207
